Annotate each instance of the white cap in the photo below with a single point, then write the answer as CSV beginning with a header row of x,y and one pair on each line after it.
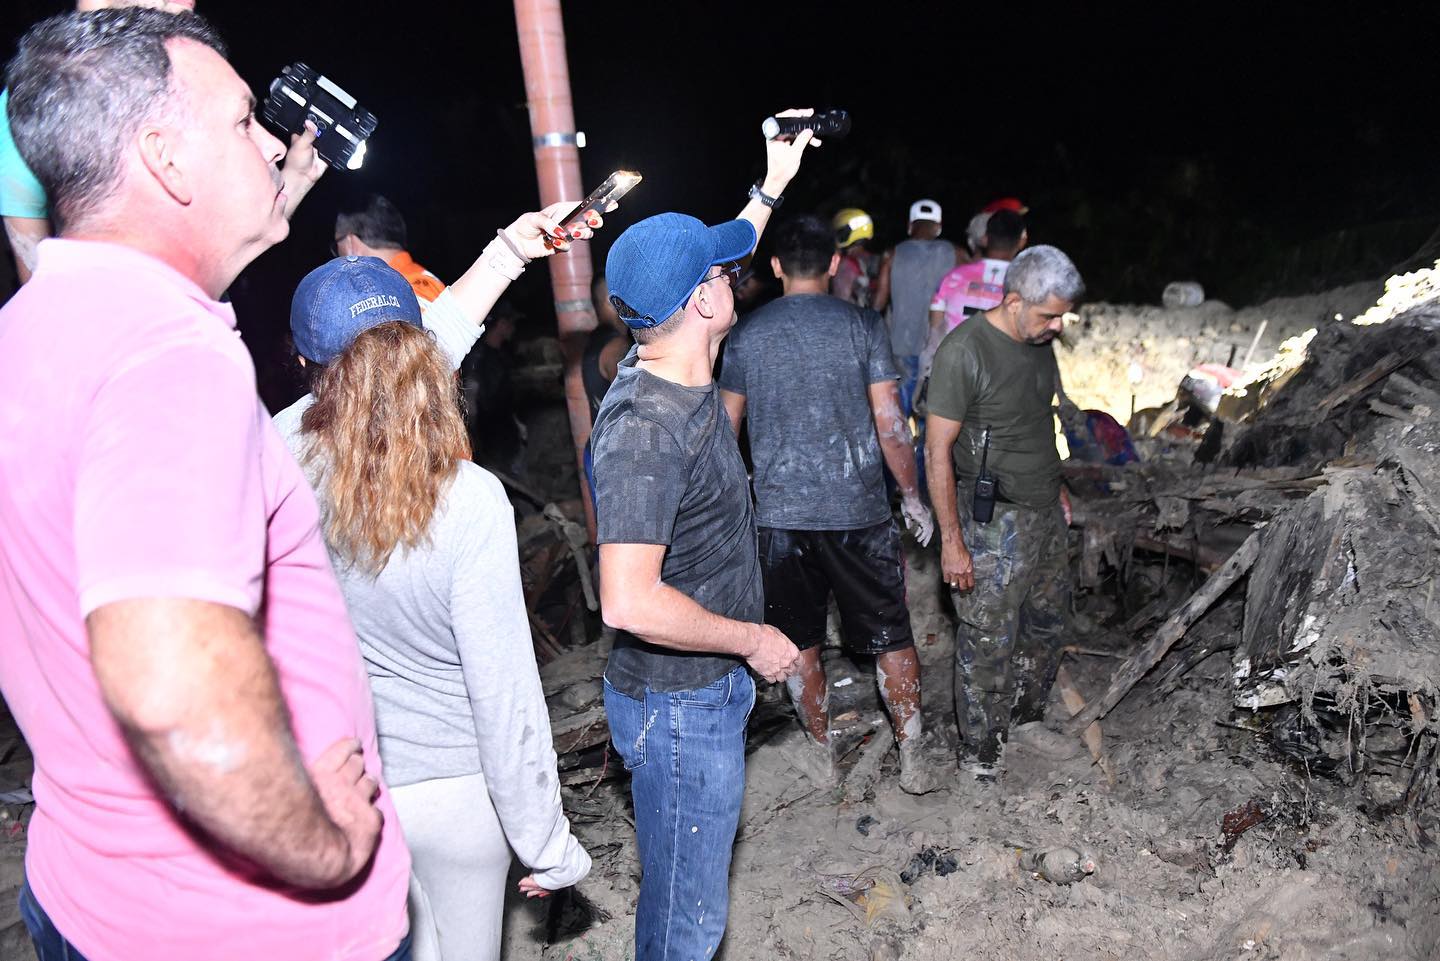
x,y
925,210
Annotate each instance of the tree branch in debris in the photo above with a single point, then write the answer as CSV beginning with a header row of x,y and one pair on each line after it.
x,y
1171,631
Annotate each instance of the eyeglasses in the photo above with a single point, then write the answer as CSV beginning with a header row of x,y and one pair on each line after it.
x,y
734,273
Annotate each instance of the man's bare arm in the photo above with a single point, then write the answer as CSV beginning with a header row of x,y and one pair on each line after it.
x,y
197,697
24,235
897,445
956,566
782,162
302,169
735,407
898,449
633,598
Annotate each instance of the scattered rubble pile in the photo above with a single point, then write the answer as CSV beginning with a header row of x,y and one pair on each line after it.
x,y
1115,351
1326,490
1275,802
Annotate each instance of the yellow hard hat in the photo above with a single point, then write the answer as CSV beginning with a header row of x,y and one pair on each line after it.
x,y
852,224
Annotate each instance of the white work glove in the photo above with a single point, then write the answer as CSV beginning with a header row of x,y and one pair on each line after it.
x,y
918,518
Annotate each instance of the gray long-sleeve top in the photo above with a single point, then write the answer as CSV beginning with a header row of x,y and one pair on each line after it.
x,y
446,640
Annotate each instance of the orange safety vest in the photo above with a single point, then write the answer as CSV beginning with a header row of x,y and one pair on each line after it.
x,y
426,285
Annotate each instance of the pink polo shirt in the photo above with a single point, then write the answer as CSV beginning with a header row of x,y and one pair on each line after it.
x,y
137,461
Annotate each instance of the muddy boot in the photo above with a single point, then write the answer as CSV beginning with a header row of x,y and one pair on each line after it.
x,y
814,760
984,765
916,776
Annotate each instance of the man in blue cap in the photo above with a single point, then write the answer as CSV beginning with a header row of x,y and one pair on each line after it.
x,y
679,570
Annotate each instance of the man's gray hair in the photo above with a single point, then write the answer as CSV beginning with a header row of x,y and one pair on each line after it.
x,y
1043,272
81,86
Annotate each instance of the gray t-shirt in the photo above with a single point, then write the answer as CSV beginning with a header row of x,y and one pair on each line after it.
x,y
805,363
668,471
915,274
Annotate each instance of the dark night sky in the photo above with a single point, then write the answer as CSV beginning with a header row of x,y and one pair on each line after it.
x,y
1259,149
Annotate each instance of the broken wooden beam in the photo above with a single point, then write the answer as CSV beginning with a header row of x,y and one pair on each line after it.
x,y
1171,631
1385,365
580,731
1093,737
867,769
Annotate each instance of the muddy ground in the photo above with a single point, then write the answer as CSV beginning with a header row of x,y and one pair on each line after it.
x,y
1318,878
1207,845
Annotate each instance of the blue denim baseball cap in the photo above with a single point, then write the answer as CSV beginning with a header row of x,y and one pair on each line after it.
x,y
656,264
340,300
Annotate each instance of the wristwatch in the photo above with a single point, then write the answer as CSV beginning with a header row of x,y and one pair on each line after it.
x,y
757,194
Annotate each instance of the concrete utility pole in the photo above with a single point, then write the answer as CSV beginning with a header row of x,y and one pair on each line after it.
x,y
557,166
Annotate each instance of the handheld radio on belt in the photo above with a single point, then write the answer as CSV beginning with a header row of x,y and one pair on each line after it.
x,y
985,485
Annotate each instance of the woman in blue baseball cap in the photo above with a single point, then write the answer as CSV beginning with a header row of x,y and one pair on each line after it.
x,y
423,543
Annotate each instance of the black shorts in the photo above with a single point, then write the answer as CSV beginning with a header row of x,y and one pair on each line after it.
x,y
865,570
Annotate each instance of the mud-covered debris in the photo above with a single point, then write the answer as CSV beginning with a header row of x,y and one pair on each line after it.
x,y
1235,823
1057,865
927,859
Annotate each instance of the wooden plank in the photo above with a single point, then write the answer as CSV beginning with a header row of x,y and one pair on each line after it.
x,y
1171,631
1384,366
580,731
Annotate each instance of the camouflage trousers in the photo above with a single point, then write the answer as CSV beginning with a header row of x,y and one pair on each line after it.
x,y
1013,623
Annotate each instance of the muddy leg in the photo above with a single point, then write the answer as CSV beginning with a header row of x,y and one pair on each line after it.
x,y
987,621
898,675
810,693
1044,623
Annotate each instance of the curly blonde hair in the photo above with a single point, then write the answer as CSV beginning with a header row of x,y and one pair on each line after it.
x,y
385,438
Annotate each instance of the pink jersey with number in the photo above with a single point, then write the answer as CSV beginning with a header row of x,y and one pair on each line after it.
x,y
969,289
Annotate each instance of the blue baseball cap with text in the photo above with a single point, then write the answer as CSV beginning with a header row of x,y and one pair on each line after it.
x,y
656,264
340,300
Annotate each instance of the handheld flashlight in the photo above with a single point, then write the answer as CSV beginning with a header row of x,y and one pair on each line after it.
x,y
342,126
831,123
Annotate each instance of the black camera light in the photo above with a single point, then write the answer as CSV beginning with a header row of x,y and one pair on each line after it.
x,y
300,94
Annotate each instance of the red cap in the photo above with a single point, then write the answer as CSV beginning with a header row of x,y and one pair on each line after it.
x,y
1006,203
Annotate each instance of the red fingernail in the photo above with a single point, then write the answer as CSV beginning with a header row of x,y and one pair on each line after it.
x,y
559,231
576,232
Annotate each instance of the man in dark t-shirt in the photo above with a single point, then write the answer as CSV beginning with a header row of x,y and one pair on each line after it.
x,y
679,576
990,408
819,429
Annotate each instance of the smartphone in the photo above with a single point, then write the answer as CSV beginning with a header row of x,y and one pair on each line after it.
x,y
601,199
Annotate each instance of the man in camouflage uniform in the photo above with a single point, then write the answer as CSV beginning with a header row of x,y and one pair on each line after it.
x,y
996,377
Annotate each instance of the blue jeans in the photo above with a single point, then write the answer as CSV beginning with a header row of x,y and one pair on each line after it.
x,y
685,751
909,379
50,945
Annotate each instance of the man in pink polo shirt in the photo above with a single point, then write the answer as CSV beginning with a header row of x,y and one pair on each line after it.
x,y
173,642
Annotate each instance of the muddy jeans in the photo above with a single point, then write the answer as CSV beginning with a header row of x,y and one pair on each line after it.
x,y
1013,623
